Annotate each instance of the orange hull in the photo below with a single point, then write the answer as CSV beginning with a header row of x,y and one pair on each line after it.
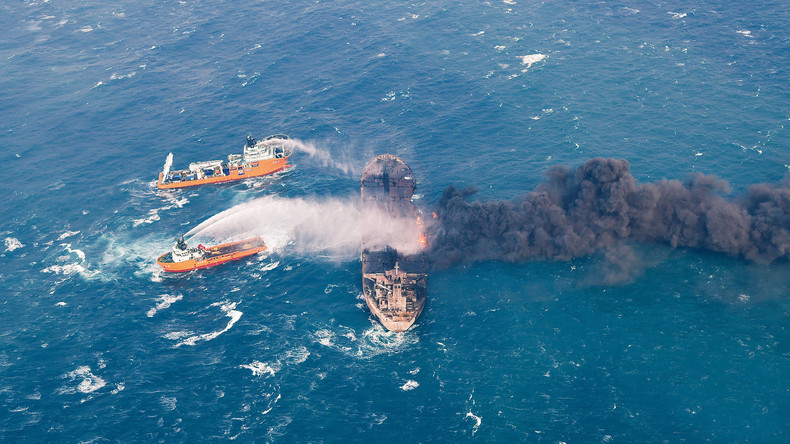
x,y
215,255
255,169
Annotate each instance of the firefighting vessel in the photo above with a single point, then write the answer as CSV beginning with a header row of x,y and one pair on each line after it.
x,y
394,283
183,258
259,158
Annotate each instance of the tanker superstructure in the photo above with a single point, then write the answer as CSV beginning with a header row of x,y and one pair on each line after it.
x,y
394,283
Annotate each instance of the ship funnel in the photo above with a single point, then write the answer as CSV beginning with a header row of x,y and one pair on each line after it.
x,y
168,164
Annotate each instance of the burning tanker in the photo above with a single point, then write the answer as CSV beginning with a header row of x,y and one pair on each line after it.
x,y
393,281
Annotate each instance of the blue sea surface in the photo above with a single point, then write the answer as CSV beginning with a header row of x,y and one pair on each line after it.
x,y
97,344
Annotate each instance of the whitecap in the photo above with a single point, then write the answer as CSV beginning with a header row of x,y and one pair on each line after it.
x,y
372,342
294,356
230,310
745,33
531,59
80,254
168,402
164,302
173,201
478,421
677,15
115,76
68,234
270,266
67,269
325,337
12,243
259,368
153,216
409,385
86,29
297,355
89,382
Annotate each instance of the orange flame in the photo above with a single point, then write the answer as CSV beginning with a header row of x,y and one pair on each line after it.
x,y
423,236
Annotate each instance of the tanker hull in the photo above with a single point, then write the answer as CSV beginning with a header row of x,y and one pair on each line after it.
x,y
394,283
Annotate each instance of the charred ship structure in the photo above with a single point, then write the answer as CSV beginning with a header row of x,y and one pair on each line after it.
x,y
394,283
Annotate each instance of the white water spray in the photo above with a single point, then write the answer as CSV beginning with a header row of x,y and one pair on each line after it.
x,y
328,159
331,226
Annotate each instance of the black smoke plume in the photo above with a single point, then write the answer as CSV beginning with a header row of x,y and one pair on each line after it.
x,y
577,212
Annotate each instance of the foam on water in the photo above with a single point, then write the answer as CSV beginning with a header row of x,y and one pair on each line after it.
x,y
259,368
291,357
68,234
164,302
67,269
410,385
12,243
140,253
88,382
656,88
173,199
372,342
230,311
531,59
478,420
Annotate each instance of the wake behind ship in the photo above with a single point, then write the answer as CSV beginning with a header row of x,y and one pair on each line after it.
x,y
259,158
394,284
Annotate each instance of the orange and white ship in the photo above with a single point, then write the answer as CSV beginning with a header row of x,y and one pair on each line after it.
x,y
259,158
183,258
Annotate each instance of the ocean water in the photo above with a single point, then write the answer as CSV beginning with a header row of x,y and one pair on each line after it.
x,y
97,344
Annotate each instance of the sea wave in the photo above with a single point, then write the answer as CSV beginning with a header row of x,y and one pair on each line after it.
x,y
68,269
230,311
373,341
88,382
164,302
12,243
531,59
293,356
410,385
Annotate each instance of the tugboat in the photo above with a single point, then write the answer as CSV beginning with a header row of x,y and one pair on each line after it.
x,y
183,258
394,283
259,158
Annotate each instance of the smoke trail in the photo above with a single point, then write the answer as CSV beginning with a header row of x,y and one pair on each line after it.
x,y
598,205
330,226
327,159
